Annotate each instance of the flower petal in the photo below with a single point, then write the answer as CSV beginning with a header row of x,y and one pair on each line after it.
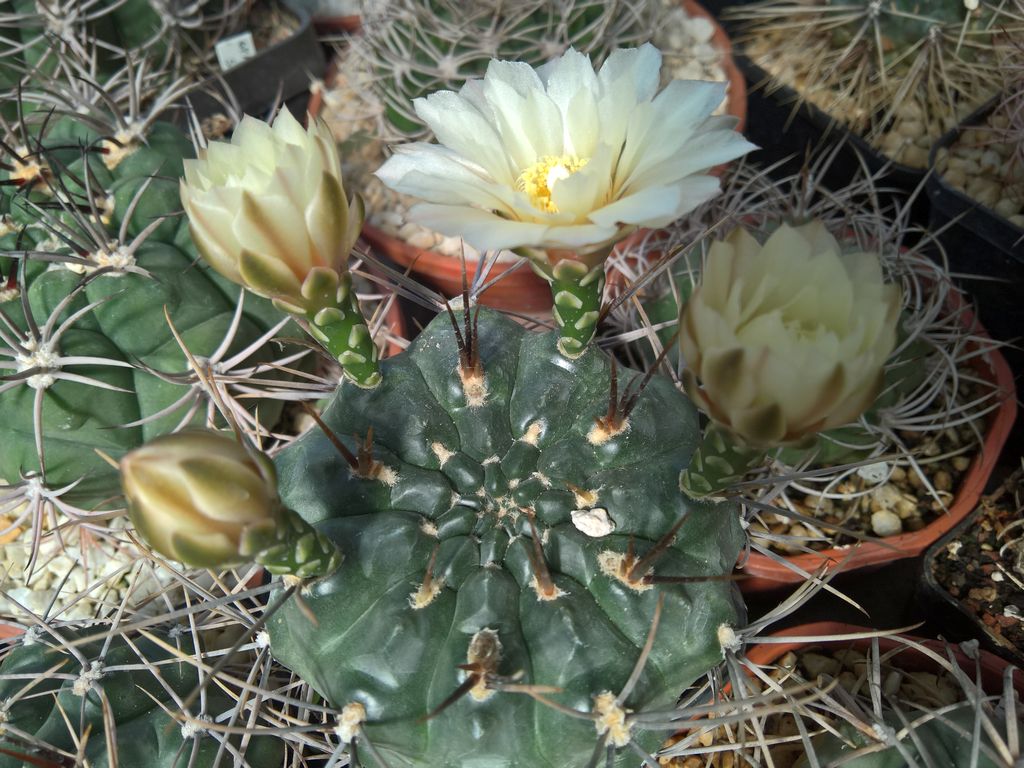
x,y
459,125
483,230
658,206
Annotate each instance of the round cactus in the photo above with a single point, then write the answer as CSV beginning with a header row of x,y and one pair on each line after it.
x,y
416,47
899,72
510,531
57,702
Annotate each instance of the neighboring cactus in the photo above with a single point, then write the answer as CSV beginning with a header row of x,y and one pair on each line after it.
x,y
908,708
61,698
416,47
509,516
885,702
91,360
35,34
900,72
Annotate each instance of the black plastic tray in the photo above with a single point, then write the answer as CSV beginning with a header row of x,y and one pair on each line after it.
x,y
984,250
284,69
788,129
946,612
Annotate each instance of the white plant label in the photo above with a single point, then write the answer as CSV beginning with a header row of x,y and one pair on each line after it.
x,y
234,50
874,473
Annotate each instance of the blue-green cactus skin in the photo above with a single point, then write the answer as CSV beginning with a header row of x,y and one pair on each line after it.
x,y
128,326
38,687
465,479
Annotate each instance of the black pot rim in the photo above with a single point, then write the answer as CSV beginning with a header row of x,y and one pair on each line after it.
x,y
938,188
785,94
301,48
939,592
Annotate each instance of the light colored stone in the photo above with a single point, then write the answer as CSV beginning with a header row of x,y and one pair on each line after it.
x,y
422,239
885,523
885,497
593,522
1007,208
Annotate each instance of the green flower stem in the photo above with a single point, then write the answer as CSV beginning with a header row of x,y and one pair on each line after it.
x,y
577,291
720,460
291,546
343,330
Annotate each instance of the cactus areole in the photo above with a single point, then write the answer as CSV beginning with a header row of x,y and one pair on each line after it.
x,y
506,547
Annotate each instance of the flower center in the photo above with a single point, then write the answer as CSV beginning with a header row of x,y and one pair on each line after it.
x,y
539,179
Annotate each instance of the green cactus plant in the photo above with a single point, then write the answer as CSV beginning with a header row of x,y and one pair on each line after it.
x,y
510,536
39,33
899,72
880,701
91,360
63,699
416,47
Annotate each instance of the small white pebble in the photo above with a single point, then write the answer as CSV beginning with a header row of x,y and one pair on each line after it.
x,y
885,523
593,522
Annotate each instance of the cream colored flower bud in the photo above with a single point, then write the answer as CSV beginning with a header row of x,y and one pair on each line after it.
x,y
200,496
268,208
786,339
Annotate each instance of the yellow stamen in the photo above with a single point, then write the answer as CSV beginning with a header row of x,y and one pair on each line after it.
x,y
539,179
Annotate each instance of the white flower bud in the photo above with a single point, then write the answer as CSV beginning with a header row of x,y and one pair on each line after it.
x,y
784,340
268,208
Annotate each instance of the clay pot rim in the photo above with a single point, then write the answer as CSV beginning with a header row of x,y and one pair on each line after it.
x,y
767,574
993,667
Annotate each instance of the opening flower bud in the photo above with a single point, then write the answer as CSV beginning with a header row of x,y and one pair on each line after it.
x,y
268,208
786,339
200,497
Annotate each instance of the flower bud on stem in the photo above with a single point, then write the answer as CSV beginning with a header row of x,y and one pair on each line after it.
x,y
292,547
578,290
204,499
335,320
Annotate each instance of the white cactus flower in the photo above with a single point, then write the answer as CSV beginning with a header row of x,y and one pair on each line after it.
x,y
786,339
564,158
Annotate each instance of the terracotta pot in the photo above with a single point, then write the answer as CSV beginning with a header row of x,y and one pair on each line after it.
x,y
523,290
737,104
337,25
396,323
766,573
520,291
992,667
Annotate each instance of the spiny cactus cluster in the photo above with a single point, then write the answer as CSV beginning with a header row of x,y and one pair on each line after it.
x,y
899,72
416,47
110,331
104,694
38,32
885,701
101,278
932,378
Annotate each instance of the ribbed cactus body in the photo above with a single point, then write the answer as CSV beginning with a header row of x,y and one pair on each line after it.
x,y
907,23
417,47
440,552
126,325
52,702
